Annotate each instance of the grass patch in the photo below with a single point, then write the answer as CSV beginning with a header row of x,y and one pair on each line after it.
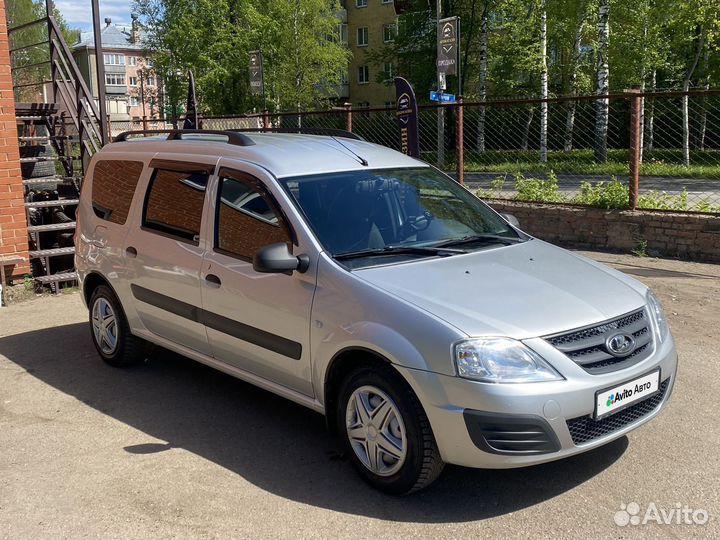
x,y
657,163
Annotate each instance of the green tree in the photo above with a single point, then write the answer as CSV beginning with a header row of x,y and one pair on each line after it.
x,y
303,57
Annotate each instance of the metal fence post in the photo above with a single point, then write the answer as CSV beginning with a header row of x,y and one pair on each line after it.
x,y
348,117
109,127
634,179
460,143
144,122
266,120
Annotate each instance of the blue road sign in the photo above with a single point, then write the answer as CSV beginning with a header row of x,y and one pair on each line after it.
x,y
442,98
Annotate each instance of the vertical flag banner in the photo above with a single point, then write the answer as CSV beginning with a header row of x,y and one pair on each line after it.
x,y
192,120
407,115
257,85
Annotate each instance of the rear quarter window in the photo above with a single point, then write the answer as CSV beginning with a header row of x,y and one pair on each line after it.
x,y
113,186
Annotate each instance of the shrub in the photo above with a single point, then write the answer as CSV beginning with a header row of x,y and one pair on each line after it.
x,y
537,189
613,194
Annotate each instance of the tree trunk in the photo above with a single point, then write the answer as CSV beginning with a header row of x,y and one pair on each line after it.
x,y
483,76
572,105
649,133
702,128
686,87
543,83
602,106
526,130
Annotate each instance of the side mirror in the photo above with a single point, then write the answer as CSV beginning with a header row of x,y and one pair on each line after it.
x,y
512,220
277,259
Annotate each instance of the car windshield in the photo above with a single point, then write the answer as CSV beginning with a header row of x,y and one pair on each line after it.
x,y
371,213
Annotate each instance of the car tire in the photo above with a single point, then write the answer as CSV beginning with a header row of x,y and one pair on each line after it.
x,y
37,169
110,331
392,419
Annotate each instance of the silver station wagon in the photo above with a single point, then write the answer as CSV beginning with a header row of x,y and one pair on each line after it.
x,y
372,288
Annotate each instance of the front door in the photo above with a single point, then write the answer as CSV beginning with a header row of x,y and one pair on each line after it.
x,y
256,322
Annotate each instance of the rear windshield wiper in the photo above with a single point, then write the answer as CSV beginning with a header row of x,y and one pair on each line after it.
x,y
398,250
485,238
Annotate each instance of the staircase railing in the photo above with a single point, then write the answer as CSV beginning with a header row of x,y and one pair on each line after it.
x,y
70,92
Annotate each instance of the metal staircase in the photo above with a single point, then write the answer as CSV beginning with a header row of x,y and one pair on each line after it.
x,y
56,141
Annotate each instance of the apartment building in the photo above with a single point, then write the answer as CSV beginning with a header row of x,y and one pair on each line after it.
x,y
368,26
132,89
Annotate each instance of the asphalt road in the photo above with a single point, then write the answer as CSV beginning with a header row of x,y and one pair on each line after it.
x,y
172,449
569,184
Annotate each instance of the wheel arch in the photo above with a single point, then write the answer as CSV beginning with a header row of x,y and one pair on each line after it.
x,y
91,282
341,364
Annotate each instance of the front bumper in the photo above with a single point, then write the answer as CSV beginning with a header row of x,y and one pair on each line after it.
x,y
556,415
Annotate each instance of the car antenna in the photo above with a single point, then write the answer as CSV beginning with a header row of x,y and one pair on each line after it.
x,y
362,160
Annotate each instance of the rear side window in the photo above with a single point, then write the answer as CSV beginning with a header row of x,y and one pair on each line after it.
x,y
113,187
246,219
174,202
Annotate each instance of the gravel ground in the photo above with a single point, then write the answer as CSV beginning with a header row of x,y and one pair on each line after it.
x,y
173,449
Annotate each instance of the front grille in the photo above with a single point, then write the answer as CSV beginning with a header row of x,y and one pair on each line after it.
x,y
586,428
586,346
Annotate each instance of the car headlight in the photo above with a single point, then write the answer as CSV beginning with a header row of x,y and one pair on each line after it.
x,y
658,316
501,360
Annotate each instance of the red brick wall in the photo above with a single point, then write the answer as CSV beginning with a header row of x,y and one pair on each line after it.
x,y
673,234
13,221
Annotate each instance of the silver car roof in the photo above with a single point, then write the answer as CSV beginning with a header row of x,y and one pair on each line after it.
x,y
282,154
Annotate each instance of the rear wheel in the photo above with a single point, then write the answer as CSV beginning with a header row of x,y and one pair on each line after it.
x,y
385,431
110,331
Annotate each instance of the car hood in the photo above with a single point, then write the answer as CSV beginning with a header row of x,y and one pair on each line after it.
x,y
524,290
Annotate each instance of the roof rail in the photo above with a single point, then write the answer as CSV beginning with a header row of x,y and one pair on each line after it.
x,y
235,138
305,131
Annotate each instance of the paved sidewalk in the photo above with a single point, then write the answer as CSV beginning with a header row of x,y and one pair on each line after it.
x,y
173,449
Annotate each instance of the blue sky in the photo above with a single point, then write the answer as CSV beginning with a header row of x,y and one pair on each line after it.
x,y
79,15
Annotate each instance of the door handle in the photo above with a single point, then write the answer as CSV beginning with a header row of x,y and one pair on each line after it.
x,y
131,252
213,280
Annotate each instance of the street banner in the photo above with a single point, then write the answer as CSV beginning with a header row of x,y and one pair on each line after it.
x,y
407,115
447,45
256,73
192,120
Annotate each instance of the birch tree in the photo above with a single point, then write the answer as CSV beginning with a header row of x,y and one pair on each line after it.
x,y
483,74
543,83
602,106
581,17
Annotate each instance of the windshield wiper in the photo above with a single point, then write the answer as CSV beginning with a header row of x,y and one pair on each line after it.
x,y
485,237
399,250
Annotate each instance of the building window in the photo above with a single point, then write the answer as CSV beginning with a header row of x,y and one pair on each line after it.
x,y
362,36
388,70
361,3
134,101
174,203
363,75
344,77
151,80
389,31
132,60
113,187
387,1
246,220
148,62
114,59
133,81
115,79
344,33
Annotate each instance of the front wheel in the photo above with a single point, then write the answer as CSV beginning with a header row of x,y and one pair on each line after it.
x,y
385,431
